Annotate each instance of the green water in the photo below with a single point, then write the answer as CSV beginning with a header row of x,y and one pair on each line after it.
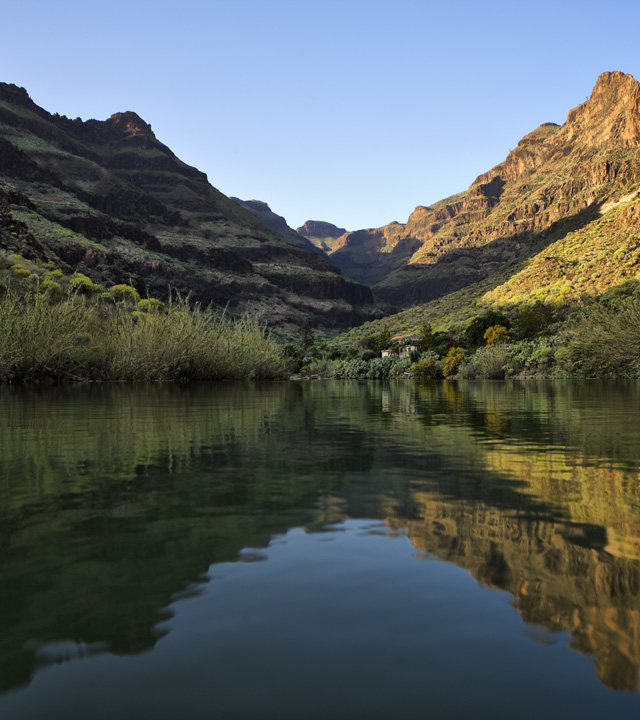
x,y
313,550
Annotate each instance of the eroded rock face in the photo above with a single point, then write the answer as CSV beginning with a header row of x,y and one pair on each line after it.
x,y
320,229
554,181
151,219
611,116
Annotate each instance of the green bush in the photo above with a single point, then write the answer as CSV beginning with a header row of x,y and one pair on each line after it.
x,y
368,355
378,368
84,285
533,356
77,338
21,271
487,363
400,367
429,368
57,273
152,305
124,293
52,289
323,367
189,343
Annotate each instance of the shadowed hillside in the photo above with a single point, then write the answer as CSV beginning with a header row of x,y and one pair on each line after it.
x,y
107,199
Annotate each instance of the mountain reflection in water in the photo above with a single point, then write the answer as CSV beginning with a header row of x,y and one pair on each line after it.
x,y
116,503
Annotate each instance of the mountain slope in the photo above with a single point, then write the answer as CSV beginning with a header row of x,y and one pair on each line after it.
x,y
277,223
322,235
106,198
557,180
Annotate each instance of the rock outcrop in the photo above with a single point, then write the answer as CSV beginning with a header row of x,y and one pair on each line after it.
x,y
322,234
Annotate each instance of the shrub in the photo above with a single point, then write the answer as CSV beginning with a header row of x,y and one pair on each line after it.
x,y
429,368
323,367
21,271
496,334
152,305
535,356
124,293
487,363
352,369
74,338
368,355
51,288
189,343
84,285
400,367
452,360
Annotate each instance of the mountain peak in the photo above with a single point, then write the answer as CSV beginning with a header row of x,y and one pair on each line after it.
x,y
12,93
130,123
611,115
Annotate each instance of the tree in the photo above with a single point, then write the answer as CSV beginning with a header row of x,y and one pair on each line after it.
x,y
533,320
473,335
496,334
377,341
452,361
306,336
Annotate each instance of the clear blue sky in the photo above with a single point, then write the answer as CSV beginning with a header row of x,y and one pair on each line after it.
x,y
349,111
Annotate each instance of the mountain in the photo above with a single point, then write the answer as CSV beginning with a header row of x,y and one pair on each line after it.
x,y
559,207
108,199
276,222
322,234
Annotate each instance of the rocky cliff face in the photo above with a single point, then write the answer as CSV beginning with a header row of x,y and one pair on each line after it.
x,y
108,199
554,182
322,234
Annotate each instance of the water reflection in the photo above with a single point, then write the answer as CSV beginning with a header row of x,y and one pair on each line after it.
x,y
115,501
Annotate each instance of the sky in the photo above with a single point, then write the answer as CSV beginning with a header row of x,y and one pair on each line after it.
x,y
353,112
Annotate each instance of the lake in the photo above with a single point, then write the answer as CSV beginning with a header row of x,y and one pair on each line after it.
x,y
320,549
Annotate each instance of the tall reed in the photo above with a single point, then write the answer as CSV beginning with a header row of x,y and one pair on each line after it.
x,y
191,343
39,339
79,338
607,342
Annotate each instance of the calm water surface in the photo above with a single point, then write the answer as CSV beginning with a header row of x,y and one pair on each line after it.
x,y
313,550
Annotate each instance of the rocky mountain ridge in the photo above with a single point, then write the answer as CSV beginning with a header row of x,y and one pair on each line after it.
x,y
277,223
108,199
556,181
